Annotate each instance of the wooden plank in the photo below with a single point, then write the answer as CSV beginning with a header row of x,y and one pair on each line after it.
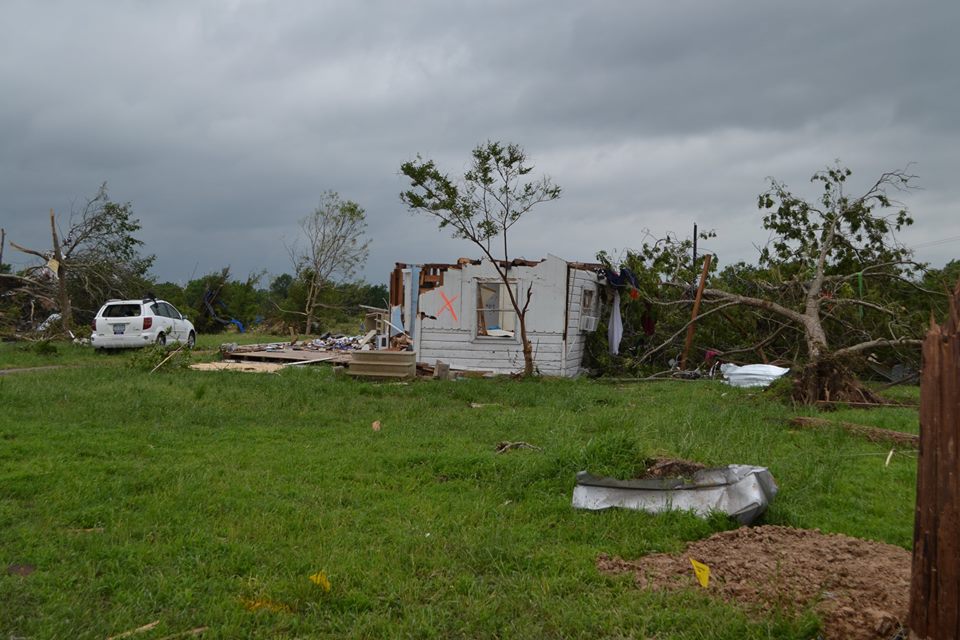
x,y
288,355
935,579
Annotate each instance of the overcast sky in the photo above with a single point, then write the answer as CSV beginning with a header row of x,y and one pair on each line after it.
x,y
223,122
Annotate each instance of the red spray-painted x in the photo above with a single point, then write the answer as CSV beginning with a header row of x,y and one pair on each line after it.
x,y
448,305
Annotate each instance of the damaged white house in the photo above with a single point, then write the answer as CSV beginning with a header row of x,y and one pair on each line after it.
x,y
461,314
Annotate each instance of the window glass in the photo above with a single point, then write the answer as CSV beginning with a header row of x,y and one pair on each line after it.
x,y
121,311
155,309
173,311
167,310
495,314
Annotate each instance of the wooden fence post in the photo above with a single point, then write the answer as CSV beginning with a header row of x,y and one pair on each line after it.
x,y
935,580
695,312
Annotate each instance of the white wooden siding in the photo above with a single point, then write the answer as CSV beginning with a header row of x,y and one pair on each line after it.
x,y
454,340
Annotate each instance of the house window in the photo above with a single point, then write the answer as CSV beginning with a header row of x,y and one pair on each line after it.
x,y
588,310
495,315
587,302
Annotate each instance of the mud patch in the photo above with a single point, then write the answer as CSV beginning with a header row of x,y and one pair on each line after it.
x,y
859,588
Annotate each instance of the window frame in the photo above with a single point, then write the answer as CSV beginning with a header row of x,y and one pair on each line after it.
x,y
504,306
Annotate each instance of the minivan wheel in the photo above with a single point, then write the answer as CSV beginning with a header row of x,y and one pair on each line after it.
x,y
161,339
191,340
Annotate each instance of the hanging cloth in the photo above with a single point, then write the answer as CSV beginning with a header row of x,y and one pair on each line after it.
x,y
615,327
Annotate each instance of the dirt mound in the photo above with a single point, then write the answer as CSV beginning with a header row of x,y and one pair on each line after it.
x,y
671,468
859,588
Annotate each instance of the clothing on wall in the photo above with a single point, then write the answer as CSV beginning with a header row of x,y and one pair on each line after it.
x,y
615,327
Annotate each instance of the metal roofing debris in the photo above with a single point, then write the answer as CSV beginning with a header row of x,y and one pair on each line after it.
x,y
751,375
741,491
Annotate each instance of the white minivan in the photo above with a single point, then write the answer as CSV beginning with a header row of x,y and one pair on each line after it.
x,y
121,324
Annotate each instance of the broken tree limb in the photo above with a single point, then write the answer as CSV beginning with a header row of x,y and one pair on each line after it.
x,y
669,340
164,361
869,405
871,344
183,634
31,252
503,447
873,434
132,632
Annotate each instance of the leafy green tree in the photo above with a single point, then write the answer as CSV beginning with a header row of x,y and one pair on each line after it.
x,y
492,196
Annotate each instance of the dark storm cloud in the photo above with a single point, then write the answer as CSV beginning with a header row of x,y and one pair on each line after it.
x,y
223,122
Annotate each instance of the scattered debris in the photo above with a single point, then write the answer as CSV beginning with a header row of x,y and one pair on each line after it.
x,y
477,405
183,634
751,375
49,323
873,434
87,530
143,629
321,580
366,338
859,588
503,447
441,371
249,367
20,569
741,491
302,352
266,603
376,425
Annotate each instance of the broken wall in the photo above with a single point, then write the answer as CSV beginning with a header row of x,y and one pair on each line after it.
x,y
463,323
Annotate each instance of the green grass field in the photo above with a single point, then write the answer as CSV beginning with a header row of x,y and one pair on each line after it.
x,y
208,499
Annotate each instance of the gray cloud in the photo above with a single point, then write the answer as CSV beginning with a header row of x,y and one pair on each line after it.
x,y
223,122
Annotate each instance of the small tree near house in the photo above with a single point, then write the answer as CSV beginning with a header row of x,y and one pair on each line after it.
x,y
334,246
492,196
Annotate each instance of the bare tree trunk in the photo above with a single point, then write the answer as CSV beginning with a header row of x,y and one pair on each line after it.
x,y
308,310
66,307
815,336
527,347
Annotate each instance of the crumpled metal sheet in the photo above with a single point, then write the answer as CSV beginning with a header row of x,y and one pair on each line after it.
x,y
741,491
751,375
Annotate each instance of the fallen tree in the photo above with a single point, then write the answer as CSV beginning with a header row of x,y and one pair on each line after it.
x,y
95,257
809,279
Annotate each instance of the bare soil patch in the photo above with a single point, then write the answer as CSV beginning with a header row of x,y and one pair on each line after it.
x,y
671,468
859,588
